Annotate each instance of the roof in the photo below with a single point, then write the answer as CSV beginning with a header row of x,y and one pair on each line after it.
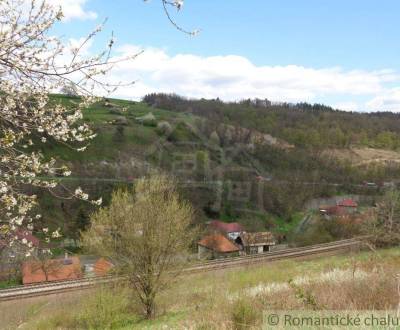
x,y
347,203
58,270
260,238
226,227
218,243
102,267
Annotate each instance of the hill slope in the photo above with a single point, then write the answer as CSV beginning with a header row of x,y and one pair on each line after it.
x,y
238,161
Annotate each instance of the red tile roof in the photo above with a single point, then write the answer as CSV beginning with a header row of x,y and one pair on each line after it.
x,y
58,270
102,267
226,227
218,243
348,203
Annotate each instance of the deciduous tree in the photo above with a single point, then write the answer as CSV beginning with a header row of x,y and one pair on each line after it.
x,y
384,225
146,233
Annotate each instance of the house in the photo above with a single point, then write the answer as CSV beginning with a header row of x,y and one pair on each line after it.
x,y
232,230
254,243
216,246
348,204
102,267
51,270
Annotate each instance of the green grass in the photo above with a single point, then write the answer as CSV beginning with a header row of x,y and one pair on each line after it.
x,y
10,283
283,226
100,118
202,299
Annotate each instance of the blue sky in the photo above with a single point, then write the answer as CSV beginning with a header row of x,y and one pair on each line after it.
x,y
343,53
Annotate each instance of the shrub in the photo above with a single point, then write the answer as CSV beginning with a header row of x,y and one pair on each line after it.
x,y
244,315
164,128
315,234
180,133
107,308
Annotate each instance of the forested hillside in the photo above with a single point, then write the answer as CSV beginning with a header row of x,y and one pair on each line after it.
x,y
301,124
250,161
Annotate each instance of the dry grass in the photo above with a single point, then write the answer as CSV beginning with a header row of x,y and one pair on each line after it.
x,y
365,156
20,313
230,299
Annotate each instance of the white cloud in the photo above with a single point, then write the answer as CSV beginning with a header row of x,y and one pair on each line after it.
x,y
234,77
84,47
347,106
74,9
387,101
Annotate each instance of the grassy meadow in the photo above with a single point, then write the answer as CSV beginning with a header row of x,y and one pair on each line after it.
x,y
226,299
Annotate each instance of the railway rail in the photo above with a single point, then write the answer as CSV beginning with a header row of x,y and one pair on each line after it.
x,y
35,290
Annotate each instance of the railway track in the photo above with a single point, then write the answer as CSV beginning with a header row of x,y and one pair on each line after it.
x,y
36,290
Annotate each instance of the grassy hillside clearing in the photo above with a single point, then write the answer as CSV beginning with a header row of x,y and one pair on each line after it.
x,y
365,156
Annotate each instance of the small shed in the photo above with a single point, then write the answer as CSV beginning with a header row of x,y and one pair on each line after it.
x,y
216,246
254,243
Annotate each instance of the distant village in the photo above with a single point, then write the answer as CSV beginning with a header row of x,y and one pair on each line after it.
x,y
220,240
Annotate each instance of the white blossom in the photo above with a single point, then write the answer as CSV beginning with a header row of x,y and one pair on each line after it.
x,y
178,4
34,64
56,234
98,202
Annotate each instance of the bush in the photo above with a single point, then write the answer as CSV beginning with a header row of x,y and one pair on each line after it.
x,y
182,133
107,308
164,128
317,233
244,315
14,281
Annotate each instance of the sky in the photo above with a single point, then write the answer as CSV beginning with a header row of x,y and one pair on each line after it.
x,y
343,53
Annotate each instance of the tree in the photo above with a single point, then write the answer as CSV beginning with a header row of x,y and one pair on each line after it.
x,y
202,165
215,139
33,63
384,225
146,233
69,90
45,263
119,134
178,4
82,219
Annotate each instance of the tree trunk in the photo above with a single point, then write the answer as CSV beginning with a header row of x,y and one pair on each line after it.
x,y
150,308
